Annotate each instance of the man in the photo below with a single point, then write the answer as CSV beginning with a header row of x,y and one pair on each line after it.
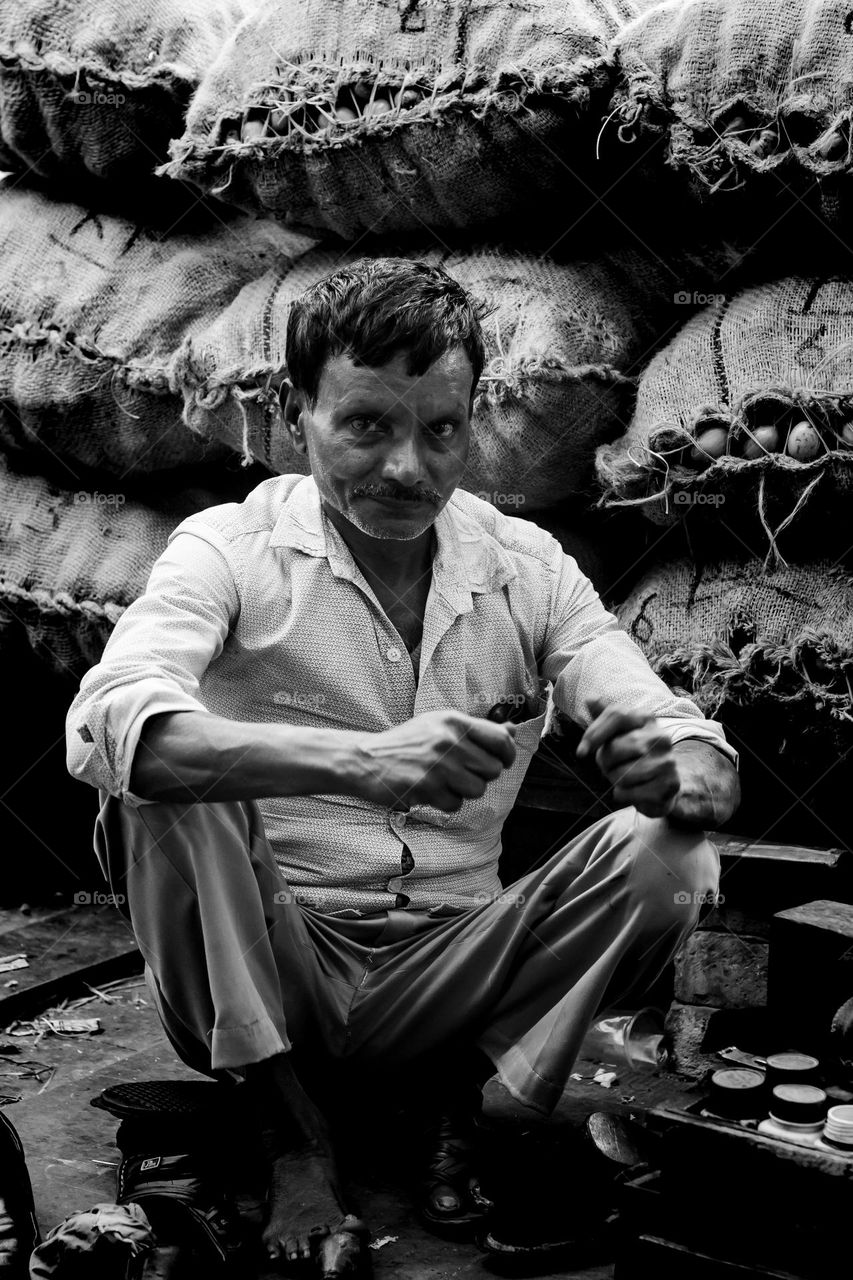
x,y
302,790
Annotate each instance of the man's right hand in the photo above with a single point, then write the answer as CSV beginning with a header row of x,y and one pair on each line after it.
x,y
440,758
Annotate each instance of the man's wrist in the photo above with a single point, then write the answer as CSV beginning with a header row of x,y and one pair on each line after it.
x,y
710,787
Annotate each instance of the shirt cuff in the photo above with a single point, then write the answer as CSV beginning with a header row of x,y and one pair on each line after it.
x,y
709,731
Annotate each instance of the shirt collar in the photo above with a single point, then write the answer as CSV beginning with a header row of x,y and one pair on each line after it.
x,y
468,559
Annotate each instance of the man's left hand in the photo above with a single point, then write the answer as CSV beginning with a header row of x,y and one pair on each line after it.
x,y
690,783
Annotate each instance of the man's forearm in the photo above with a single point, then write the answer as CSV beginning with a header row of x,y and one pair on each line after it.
x,y
190,756
709,791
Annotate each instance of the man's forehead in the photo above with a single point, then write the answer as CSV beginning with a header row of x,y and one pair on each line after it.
x,y
447,378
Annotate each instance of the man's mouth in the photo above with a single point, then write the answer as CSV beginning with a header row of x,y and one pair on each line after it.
x,y
399,502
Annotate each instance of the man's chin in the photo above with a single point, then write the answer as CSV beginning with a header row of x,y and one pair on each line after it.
x,y
404,527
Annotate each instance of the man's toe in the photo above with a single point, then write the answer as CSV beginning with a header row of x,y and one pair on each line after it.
x,y
445,1200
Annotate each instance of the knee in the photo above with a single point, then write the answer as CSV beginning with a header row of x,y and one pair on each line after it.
x,y
673,872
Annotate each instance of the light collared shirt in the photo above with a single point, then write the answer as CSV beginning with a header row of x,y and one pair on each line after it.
x,y
257,611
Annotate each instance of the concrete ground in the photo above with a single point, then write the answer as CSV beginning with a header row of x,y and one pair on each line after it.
x,y
70,1145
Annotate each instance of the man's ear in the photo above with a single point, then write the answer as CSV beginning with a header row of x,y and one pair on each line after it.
x,y
292,408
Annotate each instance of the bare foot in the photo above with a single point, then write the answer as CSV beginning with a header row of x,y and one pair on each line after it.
x,y
304,1203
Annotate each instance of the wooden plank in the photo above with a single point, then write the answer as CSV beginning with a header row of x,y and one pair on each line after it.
x,y
730,846
84,943
830,917
733,1143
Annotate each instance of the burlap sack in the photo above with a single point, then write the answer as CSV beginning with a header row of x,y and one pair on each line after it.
x,y
97,90
71,561
495,133
731,633
563,344
775,73
775,354
91,310
769,656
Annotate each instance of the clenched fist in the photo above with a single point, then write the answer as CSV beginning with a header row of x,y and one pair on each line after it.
x,y
440,758
690,783
635,755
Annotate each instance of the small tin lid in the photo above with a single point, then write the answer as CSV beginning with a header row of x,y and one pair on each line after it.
x,y
798,1103
792,1068
737,1092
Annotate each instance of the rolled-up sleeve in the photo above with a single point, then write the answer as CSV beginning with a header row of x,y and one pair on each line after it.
x,y
153,660
588,655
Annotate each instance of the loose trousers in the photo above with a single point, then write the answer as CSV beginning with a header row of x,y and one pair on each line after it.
x,y
240,971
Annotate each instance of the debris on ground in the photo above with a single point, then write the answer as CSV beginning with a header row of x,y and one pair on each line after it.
x,y
381,1242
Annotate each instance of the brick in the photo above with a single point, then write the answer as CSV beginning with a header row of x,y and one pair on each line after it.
x,y
722,969
737,920
686,1030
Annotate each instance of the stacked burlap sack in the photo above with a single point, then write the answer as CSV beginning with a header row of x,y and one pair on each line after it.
x,y
741,96
743,426
91,93
92,309
387,116
115,332
742,443
73,559
770,655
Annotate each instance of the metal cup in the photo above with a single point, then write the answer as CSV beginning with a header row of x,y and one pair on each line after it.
x,y
634,1040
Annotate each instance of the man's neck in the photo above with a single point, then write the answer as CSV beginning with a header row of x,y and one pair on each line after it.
x,y
388,559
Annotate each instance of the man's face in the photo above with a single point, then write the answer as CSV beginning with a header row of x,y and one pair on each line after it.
x,y
386,449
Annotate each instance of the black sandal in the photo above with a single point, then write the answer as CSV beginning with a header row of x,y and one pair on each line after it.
x,y
449,1165
168,1166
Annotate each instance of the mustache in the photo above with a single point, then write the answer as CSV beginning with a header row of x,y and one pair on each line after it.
x,y
397,493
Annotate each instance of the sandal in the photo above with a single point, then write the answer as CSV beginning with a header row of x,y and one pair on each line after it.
x,y
19,1232
448,1175
168,1168
180,1203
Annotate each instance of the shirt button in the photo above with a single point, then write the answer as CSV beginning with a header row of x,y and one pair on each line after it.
x,y
393,654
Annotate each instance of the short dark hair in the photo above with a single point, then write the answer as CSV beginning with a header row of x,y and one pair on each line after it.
x,y
373,309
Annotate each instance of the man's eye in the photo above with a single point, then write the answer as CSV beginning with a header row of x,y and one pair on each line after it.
x,y
444,430
362,425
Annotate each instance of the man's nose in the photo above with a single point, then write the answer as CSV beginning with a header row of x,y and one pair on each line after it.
x,y
403,461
